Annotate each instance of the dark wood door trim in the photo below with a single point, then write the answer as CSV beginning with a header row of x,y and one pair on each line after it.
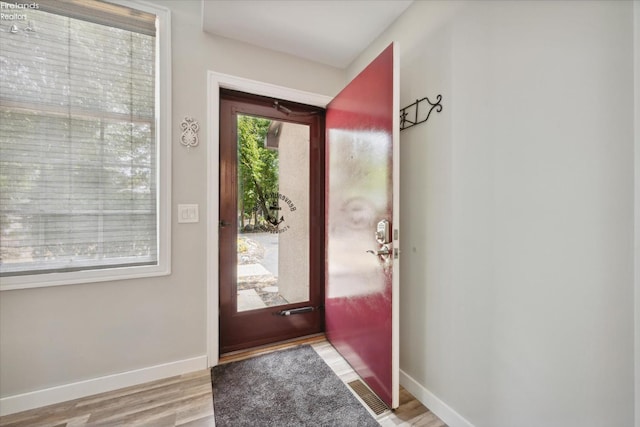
x,y
241,330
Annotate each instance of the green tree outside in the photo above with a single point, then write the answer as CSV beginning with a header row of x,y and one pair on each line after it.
x,y
257,171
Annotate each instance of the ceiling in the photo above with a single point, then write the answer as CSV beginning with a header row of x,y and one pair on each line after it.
x,y
332,32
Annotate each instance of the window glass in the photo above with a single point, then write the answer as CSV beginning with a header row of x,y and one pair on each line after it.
x,y
79,151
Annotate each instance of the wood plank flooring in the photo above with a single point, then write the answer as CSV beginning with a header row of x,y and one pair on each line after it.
x,y
184,400
410,412
187,400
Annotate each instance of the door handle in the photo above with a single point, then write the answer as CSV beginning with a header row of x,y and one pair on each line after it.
x,y
383,251
223,224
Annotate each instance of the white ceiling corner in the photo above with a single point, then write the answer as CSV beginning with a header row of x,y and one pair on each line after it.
x,y
331,32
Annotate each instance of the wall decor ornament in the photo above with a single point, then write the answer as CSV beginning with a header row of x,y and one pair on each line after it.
x,y
418,116
190,129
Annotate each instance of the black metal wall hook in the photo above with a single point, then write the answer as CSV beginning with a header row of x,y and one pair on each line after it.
x,y
417,115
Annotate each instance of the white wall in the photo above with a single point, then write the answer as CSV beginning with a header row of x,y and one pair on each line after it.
x,y
56,336
517,211
636,54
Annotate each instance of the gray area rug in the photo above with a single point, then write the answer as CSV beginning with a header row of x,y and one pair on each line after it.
x,y
292,387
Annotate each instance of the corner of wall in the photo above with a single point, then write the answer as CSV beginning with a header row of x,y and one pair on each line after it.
x,y
435,404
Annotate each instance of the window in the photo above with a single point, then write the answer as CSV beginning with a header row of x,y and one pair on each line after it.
x,y
84,153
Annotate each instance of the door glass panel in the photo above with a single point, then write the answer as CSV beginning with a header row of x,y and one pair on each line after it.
x,y
273,213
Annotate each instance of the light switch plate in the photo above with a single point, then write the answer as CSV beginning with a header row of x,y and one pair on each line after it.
x,y
188,213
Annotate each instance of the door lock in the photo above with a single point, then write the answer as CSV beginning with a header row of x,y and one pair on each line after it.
x,y
383,237
383,232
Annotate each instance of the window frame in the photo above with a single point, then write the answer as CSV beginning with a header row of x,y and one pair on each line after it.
x,y
163,158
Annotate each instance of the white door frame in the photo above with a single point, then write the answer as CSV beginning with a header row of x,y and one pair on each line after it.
x,y
215,81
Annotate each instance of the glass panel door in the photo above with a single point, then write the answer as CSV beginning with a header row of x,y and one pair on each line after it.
x,y
273,213
271,233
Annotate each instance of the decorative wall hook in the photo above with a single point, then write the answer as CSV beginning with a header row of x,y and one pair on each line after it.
x,y
418,116
190,129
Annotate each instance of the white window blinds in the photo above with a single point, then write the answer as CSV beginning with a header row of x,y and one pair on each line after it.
x,y
78,151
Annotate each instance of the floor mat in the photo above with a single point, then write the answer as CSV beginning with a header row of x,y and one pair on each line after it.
x,y
292,387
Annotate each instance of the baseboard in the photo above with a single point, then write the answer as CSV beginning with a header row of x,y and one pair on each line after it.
x,y
435,405
50,396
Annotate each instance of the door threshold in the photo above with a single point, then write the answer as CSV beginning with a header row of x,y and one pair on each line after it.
x,y
234,356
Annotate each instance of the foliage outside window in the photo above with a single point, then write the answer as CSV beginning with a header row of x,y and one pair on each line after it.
x,y
80,182
257,172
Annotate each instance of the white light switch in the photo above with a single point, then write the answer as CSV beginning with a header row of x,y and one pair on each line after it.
x,y
188,213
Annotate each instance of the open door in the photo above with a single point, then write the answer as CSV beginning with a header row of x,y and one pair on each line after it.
x,y
362,228
271,220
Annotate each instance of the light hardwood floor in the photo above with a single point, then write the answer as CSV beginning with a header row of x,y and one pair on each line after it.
x,y
410,412
187,400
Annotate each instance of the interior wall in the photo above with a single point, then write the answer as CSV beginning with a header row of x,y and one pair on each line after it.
x,y
517,211
60,335
636,55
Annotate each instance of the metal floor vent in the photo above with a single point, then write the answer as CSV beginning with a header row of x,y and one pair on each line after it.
x,y
373,402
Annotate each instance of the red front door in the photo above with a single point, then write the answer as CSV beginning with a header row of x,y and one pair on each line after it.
x,y
361,295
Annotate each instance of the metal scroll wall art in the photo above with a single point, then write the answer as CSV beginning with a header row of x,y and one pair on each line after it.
x,y
418,112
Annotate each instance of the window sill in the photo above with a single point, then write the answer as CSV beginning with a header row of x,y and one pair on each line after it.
x,y
80,277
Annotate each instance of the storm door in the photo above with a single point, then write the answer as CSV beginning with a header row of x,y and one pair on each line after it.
x,y
272,220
